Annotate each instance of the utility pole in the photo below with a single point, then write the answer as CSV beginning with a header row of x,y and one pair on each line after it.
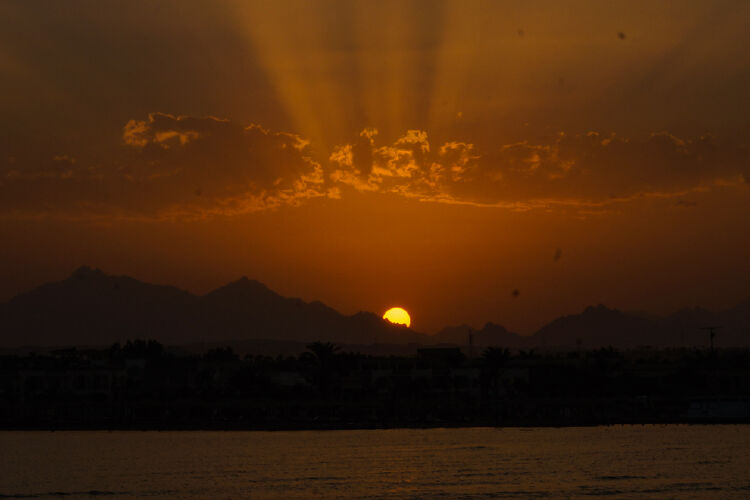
x,y
711,334
471,343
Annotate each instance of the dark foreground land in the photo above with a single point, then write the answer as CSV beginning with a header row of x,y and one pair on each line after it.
x,y
143,386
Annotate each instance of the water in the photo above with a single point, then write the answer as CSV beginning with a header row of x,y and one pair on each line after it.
x,y
620,461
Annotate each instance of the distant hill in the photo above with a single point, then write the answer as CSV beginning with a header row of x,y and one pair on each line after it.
x,y
600,326
597,326
93,308
489,335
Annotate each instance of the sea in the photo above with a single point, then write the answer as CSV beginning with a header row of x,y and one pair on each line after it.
x,y
623,461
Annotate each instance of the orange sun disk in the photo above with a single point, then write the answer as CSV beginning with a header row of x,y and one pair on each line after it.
x,y
398,316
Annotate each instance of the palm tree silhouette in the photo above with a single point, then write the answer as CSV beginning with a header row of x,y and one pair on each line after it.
x,y
324,359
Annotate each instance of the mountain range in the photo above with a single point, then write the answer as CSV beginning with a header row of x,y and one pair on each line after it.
x,y
91,308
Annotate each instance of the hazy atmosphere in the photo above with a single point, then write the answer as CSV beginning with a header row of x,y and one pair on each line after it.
x,y
469,161
364,249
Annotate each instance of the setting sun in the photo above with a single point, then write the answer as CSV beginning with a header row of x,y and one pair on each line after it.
x,y
398,316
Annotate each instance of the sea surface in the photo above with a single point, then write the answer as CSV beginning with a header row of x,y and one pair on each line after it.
x,y
674,461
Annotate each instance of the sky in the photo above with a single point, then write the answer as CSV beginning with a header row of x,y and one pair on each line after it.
x,y
469,161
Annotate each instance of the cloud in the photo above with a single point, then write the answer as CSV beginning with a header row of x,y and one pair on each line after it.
x,y
231,167
170,166
585,170
686,203
407,167
174,166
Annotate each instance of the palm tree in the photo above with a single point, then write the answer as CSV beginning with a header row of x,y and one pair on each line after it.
x,y
324,360
323,351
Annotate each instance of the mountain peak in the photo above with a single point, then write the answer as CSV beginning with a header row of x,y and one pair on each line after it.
x,y
85,271
599,310
493,326
243,284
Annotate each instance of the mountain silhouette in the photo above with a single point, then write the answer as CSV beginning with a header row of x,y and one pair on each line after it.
x,y
597,326
93,308
489,335
600,326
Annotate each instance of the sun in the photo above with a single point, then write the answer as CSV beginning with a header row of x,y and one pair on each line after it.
x,y
398,316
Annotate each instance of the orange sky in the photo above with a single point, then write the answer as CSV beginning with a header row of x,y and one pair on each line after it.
x,y
433,155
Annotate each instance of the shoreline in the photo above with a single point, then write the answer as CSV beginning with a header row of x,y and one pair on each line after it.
x,y
356,427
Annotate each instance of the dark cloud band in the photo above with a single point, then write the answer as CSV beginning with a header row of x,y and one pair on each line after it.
x,y
182,167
